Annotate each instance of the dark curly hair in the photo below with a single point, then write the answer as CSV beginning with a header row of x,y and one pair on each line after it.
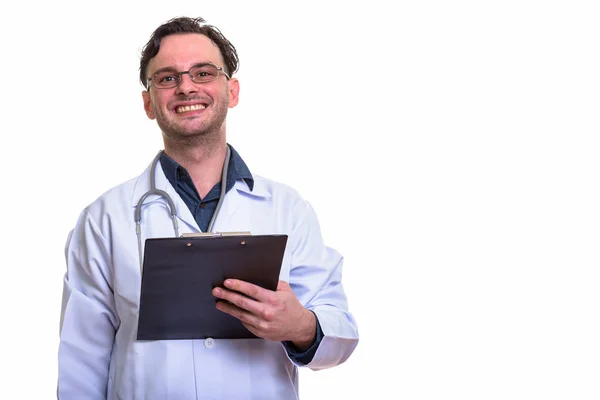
x,y
188,25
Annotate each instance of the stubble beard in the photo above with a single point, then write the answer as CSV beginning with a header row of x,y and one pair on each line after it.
x,y
208,132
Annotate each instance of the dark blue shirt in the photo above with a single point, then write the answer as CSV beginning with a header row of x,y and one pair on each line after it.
x,y
203,210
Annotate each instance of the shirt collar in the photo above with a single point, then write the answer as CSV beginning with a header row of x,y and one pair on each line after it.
x,y
237,170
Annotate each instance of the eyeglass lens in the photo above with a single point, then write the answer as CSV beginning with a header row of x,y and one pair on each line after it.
x,y
199,74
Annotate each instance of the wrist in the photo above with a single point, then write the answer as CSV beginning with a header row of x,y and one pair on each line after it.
x,y
307,331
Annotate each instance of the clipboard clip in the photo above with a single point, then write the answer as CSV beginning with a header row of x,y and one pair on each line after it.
x,y
214,234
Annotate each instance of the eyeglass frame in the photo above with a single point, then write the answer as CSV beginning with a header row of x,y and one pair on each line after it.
x,y
220,70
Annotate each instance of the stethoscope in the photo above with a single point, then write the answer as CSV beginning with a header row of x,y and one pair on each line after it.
x,y
171,205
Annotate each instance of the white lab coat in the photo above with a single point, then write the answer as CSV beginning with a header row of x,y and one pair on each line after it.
x,y
99,357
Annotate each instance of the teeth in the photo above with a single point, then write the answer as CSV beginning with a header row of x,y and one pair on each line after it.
x,y
182,109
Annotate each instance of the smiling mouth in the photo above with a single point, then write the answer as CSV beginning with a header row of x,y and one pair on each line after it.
x,y
184,109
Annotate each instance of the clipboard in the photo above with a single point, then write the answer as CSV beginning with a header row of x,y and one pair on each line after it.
x,y
176,300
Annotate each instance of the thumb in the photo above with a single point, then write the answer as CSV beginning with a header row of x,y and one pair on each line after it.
x,y
283,286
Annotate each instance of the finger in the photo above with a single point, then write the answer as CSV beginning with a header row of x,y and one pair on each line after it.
x,y
283,286
254,330
236,312
239,300
254,291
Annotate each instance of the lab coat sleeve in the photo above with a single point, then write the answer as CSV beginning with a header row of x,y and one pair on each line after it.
x,y
316,278
88,317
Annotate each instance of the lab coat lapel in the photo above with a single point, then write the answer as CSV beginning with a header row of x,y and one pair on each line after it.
x,y
236,211
228,211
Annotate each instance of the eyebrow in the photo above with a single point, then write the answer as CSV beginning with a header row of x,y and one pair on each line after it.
x,y
175,69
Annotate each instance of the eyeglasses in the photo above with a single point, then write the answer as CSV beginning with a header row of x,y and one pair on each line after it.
x,y
170,78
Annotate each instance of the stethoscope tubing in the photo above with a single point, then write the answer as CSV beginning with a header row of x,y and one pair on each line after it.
x,y
171,204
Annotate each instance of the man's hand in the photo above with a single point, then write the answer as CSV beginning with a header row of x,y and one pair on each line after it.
x,y
276,316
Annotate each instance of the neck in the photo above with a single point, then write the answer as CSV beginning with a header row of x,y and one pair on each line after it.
x,y
203,163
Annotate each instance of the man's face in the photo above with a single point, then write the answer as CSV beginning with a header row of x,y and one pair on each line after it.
x,y
189,109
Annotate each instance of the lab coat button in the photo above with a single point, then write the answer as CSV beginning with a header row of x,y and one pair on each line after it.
x,y
209,343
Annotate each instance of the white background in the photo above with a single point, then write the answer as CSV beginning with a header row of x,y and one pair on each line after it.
x,y
450,149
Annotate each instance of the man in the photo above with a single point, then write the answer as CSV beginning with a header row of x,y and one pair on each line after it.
x,y
187,69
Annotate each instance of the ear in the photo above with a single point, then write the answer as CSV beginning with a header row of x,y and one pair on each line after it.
x,y
148,104
234,92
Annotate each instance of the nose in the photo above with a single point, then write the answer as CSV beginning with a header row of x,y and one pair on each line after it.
x,y
186,85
